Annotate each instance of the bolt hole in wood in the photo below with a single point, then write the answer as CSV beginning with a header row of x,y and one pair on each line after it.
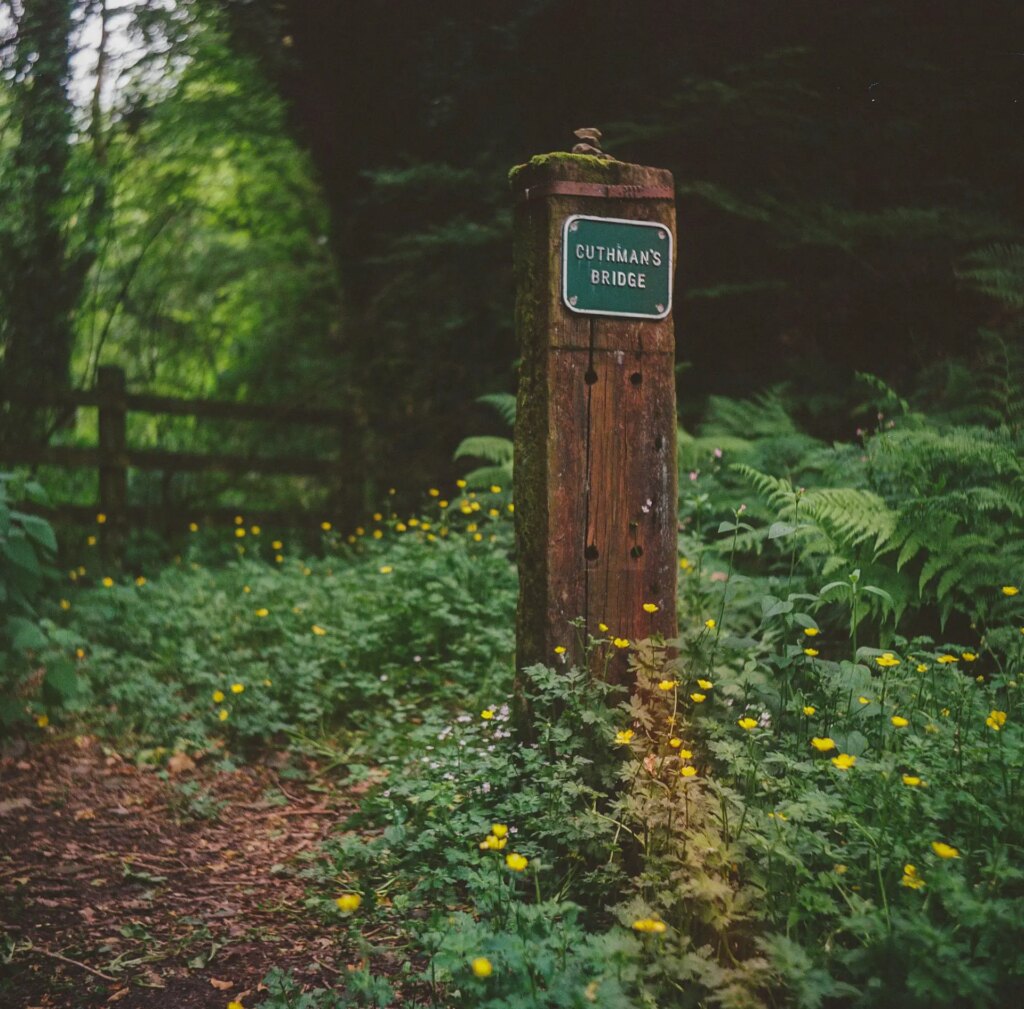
x,y
659,442
637,551
636,378
590,377
591,553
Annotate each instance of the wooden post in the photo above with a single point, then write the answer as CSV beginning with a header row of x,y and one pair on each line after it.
x,y
113,461
595,441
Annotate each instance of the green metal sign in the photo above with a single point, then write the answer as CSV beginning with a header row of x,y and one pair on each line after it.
x,y
615,267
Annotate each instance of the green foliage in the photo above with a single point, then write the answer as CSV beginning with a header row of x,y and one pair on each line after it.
x,y
351,641
27,551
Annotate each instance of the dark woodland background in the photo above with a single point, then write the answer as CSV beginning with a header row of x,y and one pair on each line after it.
x,y
849,194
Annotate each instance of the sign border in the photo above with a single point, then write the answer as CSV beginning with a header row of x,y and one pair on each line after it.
x,y
615,220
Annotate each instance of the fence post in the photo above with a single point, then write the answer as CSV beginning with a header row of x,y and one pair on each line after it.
x,y
113,461
595,442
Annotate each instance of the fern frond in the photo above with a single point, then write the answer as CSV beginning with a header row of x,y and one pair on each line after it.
x,y
503,402
492,448
764,416
852,516
998,271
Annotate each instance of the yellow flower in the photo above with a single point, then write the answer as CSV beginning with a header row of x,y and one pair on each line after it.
x,y
559,649
140,581
223,714
979,678
240,532
460,484
603,628
844,761
434,492
623,736
108,582
326,526
649,925
809,710
668,684
516,862
499,829
481,966
493,843
277,545
80,653
237,688
378,534
911,878
922,667
688,772
944,712
349,902
651,607
65,604
235,1004
863,700
675,742
705,684
811,632
698,698
812,652
887,660
899,721
944,850
246,589
387,569
268,682
318,630
193,527
278,558
90,541
684,564
996,720
747,724
218,696
101,518
42,721
1010,590
255,530
823,744
620,642
487,714
263,612
685,755
495,489
710,624
946,659
912,781
239,520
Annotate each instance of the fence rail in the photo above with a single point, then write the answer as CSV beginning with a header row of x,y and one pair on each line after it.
x,y
112,457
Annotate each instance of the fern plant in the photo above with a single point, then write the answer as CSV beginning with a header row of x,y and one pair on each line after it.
x,y
494,450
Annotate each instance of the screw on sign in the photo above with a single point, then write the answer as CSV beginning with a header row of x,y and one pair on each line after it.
x,y
596,419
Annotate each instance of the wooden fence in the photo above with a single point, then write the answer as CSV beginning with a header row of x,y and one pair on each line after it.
x,y
113,457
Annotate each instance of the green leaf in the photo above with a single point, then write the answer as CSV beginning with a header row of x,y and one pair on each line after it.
x,y
38,529
61,679
780,529
19,552
25,634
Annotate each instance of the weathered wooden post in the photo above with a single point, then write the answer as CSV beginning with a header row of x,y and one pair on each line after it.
x,y
595,442
113,461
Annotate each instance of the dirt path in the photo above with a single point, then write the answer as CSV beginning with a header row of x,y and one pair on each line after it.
x,y
119,887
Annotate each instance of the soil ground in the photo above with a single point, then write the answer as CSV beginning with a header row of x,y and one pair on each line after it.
x,y
121,886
